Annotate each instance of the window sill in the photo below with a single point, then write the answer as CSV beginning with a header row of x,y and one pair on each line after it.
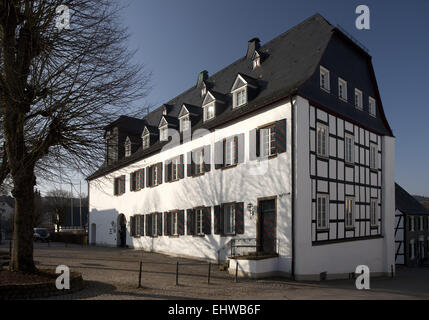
x,y
322,230
199,235
174,236
326,90
198,175
229,167
343,100
350,228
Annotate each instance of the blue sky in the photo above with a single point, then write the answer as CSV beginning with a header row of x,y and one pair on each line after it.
x,y
178,39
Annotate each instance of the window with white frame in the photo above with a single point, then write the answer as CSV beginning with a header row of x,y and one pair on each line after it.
x,y
174,224
229,219
349,146
322,140
229,152
209,111
163,133
374,212
197,157
175,168
322,211
372,107
342,89
240,97
184,123
146,141
256,60
373,156
268,140
128,148
324,79
199,221
350,212
358,99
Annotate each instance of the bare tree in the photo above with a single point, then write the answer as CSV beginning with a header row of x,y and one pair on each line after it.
x,y
58,88
57,201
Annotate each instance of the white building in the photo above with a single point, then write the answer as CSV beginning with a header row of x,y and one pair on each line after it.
x,y
293,159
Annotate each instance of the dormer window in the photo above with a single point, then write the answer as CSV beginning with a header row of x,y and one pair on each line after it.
x,y
241,97
256,60
163,133
128,147
203,90
209,111
372,107
185,124
342,89
146,139
240,90
324,79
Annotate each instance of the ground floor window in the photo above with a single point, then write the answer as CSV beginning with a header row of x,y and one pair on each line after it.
x,y
322,211
154,224
229,219
174,224
199,222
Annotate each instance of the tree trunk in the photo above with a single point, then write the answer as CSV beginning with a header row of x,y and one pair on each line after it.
x,y
22,253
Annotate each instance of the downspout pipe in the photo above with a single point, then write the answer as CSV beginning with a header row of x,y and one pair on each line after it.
x,y
293,142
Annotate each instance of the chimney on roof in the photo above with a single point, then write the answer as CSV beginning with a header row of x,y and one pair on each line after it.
x,y
254,44
203,76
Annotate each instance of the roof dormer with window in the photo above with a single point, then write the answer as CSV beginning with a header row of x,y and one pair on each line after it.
x,y
211,105
146,138
163,130
127,147
241,90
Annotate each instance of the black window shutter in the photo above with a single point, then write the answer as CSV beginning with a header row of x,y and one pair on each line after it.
x,y
149,225
115,187
280,136
159,173
132,226
189,164
141,177
181,167
207,220
217,219
148,177
218,156
141,225
239,218
167,171
159,224
181,222
207,158
190,226
254,144
132,181
166,224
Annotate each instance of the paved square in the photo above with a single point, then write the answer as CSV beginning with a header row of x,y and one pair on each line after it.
x,y
112,273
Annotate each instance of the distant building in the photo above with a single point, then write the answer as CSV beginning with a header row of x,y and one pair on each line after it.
x,y
411,229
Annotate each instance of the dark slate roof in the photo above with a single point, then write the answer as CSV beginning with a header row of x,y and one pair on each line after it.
x,y
407,204
289,61
128,125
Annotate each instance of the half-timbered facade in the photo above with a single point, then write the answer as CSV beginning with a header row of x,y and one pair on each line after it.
x,y
411,230
286,153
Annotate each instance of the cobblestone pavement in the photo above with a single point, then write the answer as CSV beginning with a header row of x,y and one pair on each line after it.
x,y
112,273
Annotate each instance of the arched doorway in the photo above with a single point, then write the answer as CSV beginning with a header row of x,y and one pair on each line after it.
x,y
122,231
93,234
